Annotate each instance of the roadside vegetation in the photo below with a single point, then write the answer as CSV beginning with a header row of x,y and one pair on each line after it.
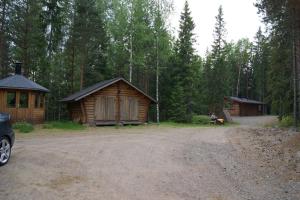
x,y
63,125
286,122
197,121
23,127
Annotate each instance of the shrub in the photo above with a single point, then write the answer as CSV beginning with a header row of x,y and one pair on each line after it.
x,y
23,127
65,125
286,121
201,119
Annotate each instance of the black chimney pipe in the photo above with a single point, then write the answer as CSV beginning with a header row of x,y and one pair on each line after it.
x,y
18,68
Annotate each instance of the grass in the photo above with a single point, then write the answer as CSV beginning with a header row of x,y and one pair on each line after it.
x,y
191,125
23,127
286,122
63,125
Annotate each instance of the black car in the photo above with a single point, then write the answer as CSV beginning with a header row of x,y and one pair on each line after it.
x,y
7,138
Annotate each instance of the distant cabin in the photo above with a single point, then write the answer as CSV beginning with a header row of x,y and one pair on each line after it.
x,y
22,98
243,107
110,102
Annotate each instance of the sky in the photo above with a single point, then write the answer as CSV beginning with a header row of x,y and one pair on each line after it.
x,y
241,18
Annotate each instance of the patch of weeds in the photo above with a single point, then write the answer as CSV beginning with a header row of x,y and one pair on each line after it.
x,y
23,127
63,125
286,122
191,125
201,119
181,125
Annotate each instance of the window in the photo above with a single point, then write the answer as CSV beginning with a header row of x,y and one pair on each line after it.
x,y
11,99
42,100
37,100
260,108
23,100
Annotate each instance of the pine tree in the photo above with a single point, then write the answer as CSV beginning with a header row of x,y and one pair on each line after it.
x,y
184,70
5,9
217,82
177,108
260,64
88,43
28,35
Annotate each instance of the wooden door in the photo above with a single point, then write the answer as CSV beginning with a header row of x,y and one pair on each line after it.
x,y
105,108
129,108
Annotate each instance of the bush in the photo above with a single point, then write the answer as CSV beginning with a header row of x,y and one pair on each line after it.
x,y
286,121
201,119
23,127
65,125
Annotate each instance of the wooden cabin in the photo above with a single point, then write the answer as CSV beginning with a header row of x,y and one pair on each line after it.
x,y
110,102
243,107
22,98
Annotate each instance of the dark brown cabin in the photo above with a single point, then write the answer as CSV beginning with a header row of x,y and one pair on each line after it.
x,y
22,98
243,107
110,102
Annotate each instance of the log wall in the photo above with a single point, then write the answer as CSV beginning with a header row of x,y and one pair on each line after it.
x,y
84,111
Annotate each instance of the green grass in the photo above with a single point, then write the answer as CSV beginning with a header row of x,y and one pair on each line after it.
x,y
201,119
182,125
23,127
63,125
286,122
191,125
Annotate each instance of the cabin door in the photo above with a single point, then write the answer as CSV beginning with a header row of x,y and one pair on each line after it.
x,y
129,108
105,108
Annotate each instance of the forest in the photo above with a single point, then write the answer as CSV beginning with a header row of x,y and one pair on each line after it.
x,y
67,45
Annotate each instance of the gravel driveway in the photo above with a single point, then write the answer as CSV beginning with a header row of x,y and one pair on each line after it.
x,y
136,164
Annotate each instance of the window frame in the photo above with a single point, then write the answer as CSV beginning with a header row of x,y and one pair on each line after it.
x,y
7,103
42,100
37,100
20,100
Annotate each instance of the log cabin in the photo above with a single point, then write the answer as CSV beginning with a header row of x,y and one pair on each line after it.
x,y
22,98
243,107
110,102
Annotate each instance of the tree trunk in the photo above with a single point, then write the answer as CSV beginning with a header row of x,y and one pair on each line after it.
x,y
81,75
72,67
157,80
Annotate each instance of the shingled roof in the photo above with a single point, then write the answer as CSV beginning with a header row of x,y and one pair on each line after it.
x,y
99,86
244,100
21,83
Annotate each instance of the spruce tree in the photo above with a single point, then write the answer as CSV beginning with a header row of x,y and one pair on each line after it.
x,y
184,70
217,83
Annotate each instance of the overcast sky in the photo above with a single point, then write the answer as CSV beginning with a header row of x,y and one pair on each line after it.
x,y
240,16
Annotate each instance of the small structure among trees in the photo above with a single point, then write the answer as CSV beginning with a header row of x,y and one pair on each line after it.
x,y
110,102
244,107
22,98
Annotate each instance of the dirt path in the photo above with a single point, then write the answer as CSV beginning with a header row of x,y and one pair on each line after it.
x,y
142,163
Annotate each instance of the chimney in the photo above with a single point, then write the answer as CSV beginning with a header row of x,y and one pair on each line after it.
x,y
18,68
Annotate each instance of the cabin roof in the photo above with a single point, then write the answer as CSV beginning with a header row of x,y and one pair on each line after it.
x,y
244,100
22,83
99,86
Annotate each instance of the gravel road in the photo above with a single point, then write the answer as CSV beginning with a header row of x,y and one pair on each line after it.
x,y
142,163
